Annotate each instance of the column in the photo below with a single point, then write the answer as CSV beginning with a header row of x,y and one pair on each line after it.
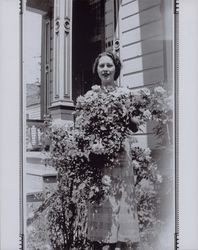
x,y
62,103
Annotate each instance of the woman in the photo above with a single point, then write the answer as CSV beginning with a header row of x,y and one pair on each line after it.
x,y
113,224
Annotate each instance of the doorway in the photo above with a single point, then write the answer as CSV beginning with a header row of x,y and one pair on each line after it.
x,y
87,43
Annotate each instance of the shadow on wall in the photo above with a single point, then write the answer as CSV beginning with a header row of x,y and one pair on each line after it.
x,y
152,35
155,19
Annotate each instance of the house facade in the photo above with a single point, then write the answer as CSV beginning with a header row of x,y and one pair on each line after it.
x,y
73,33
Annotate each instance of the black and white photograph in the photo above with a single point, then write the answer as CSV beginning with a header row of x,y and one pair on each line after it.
x,y
99,91
98,131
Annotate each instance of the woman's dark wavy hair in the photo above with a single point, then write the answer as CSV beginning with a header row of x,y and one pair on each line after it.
x,y
116,61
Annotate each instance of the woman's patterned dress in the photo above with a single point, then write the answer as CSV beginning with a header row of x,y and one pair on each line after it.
x,y
115,218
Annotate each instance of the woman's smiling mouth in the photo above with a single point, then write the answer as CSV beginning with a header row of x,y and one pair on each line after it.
x,y
106,73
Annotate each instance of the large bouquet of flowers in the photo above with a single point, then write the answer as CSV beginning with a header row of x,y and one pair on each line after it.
x,y
103,119
108,117
101,112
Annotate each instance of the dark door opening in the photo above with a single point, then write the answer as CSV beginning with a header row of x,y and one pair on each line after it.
x,y
87,42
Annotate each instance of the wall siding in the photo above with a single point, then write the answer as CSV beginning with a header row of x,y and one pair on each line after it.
x,y
147,16
142,63
34,183
141,50
144,78
146,31
34,112
141,43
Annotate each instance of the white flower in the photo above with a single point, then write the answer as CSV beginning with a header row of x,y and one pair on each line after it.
x,y
135,164
146,185
159,90
159,178
146,91
90,96
97,147
96,88
148,158
147,114
81,186
80,100
169,102
147,151
93,190
106,180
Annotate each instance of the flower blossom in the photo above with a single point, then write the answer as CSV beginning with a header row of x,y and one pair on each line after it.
x,y
159,90
80,100
106,180
96,88
159,178
97,147
147,114
147,151
136,164
146,185
146,91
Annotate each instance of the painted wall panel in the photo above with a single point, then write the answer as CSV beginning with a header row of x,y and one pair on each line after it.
x,y
147,31
140,48
143,63
143,78
153,44
109,17
109,31
131,51
144,17
146,140
144,4
129,9
125,2
130,37
141,140
34,112
108,5
34,183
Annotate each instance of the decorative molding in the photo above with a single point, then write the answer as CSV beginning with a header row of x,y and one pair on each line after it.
x,y
62,107
20,7
62,85
67,93
67,25
57,25
57,68
67,67
117,45
47,68
176,7
63,112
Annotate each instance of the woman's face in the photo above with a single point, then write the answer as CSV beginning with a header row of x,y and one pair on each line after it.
x,y
106,70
